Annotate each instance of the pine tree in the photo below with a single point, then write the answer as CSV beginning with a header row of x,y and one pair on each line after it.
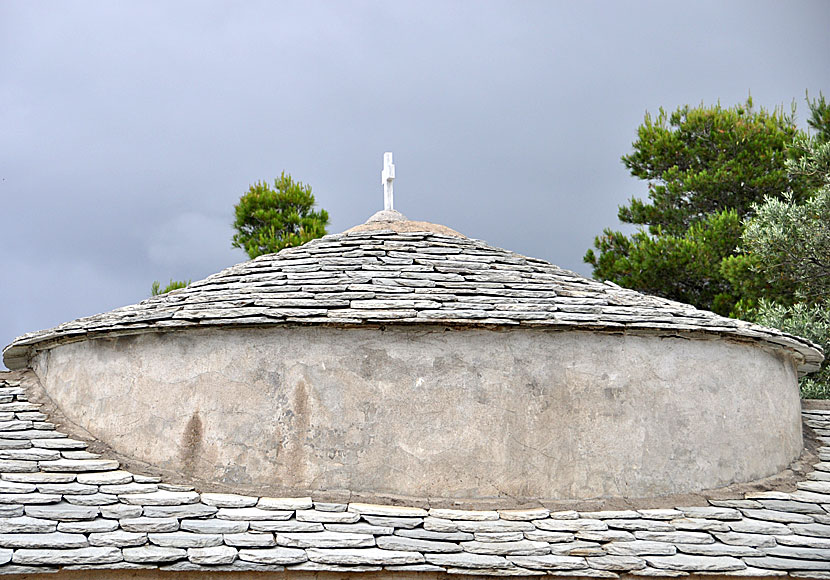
x,y
270,219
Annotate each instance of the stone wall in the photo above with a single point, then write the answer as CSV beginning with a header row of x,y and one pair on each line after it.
x,y
426,412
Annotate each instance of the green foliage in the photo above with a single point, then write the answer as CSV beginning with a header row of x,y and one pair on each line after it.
x,y
268,220
791,241
683,267
156,289
811,322
706,167
819,119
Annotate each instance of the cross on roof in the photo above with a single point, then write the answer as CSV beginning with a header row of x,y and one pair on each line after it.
x,y
387,176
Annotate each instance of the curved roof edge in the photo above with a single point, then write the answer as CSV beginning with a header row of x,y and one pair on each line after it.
x,y
395,271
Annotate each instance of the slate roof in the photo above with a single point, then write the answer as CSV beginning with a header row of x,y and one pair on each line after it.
x,y
62,507
391,273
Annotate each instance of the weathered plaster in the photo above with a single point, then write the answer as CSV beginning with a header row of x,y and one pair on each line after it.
x,y
432,411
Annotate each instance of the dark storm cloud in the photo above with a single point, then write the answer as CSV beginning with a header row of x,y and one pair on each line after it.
x,y
129,130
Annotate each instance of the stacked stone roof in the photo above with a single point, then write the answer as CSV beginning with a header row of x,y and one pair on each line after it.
x,y
62,507
401,272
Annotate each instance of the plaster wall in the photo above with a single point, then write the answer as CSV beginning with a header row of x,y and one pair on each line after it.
x,y
436,412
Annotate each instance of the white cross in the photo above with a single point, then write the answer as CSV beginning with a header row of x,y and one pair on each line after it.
x,y
387,176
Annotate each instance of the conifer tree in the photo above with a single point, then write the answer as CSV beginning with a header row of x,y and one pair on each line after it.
x,y
705,166
270,219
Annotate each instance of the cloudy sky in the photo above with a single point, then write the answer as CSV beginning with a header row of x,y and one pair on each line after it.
x,y
128,130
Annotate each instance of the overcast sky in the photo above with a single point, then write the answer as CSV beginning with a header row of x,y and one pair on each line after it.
x,y
128,130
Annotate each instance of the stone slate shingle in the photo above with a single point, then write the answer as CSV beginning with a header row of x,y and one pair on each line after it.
x,y
374,277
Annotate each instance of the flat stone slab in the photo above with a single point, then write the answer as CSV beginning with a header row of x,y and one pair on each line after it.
x,y
153,554
359,556
281,556
325,539
38,557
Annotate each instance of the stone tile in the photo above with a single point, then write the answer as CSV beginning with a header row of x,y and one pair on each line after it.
x,y
145,524
11,511
184,539
327,517
494,526
228,500
579,525
131,487
39,557
605,536
778,516
417,545
54,540
31,454
27,525
386,510
360,528
253,513
470,515
153,554
187,511
285,526
330,506
800,553
64,512
774,563
72,488
161,497
688,563
820,530
676,537
29,498
661,514
641,525
118,538
212,556
610,515
751,540
88,526
363,556
578,548
7,487
59,443
521,548
616,563
804,541
39,477
285,503
397,523
749,526
94,499
551,537
468,560
78,465
697,524
121,511
251,540
549,562
718,549
214,526
641,548
711,513
499,536
105,478
524,515
281,556
324,539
